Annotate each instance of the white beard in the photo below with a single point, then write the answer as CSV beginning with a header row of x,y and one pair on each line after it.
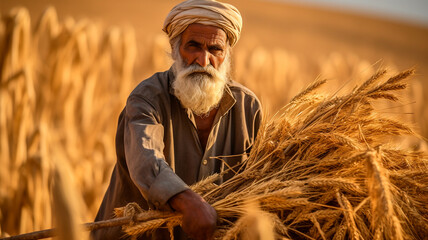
x,y
200,88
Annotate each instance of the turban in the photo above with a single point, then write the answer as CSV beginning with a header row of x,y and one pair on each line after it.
x,y
207,12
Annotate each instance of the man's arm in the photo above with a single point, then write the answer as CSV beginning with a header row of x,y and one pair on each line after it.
x,y
157,182
143,143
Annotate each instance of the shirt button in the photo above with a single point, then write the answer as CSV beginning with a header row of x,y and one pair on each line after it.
x,y
205,162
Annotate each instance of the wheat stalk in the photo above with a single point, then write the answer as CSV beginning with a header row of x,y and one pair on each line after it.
x,y
323,185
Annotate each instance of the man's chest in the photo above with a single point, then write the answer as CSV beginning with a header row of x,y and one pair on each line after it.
x,y
204,126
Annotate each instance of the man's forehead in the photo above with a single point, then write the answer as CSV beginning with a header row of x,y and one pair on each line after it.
x,y
202,32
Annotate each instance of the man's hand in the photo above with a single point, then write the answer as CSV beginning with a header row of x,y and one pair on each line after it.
x,y
199,218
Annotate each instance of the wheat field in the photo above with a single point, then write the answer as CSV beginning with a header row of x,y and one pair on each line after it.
x,y
65,81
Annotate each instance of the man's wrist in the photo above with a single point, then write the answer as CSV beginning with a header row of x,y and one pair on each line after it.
x,y
180,201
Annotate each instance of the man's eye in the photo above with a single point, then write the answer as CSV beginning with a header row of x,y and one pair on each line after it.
x,y
216,50
192,45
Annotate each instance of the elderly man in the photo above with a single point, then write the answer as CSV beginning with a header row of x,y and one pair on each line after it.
x,y
179,126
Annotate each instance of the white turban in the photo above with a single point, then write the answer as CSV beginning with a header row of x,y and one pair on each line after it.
x,y
207,12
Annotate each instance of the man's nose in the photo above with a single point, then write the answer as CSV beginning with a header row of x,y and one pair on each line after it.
x,y
203,59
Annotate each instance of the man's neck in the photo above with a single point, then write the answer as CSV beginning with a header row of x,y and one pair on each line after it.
x,y
204,125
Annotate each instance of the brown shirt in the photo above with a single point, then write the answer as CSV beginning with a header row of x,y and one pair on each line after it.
x,y
158,149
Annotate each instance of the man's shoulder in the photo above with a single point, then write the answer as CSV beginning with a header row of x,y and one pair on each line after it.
x,y
152,87
238,89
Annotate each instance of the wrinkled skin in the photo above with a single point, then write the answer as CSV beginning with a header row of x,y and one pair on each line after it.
x,y
203,45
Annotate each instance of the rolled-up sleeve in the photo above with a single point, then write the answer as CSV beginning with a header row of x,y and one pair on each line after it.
x,y
144,146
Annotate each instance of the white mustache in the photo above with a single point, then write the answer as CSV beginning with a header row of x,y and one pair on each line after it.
x,y
195,69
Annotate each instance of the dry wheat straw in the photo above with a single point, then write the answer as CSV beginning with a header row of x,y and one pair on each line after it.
x,y
317,184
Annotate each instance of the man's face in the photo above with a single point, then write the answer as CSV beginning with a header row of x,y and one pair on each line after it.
x,y
203,45
202,64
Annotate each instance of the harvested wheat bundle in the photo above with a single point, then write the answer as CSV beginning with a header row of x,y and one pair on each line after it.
x,y
324,169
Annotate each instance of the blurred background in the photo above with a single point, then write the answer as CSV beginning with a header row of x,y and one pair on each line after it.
x,y
67,68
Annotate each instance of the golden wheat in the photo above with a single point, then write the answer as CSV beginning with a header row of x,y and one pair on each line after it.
x,y
319,187
57,79
55,83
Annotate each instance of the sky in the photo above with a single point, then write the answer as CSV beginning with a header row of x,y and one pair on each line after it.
x,y
413,11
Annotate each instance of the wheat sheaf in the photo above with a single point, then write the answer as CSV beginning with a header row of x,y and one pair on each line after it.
x,y
325,168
